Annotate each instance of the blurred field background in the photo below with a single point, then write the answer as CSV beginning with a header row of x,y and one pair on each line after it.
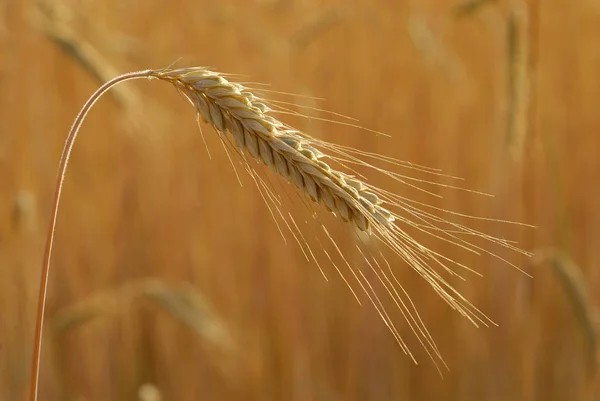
x,y
168,276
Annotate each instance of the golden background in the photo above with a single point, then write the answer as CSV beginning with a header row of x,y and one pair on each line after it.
x,y
169,275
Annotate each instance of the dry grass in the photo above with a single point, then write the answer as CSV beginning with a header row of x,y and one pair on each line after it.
x,y
49,20
298,157
132,209
518,80
573,283
185,304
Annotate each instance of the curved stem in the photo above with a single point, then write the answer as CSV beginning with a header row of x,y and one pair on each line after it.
x,y
64,159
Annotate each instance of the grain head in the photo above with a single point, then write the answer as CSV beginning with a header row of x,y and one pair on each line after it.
x,y
246,120
230,108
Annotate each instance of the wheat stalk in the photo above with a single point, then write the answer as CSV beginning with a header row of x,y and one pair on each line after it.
x,y
230,108
577,291
518,80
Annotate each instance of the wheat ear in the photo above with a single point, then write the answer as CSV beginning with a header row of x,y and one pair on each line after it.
x,y
231,108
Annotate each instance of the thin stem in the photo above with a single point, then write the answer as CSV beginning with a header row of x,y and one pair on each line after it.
x,y
62,167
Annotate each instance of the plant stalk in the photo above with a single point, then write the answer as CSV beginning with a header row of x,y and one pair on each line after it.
x,y
64,159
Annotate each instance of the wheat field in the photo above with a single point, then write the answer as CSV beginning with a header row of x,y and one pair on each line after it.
x,y
170,277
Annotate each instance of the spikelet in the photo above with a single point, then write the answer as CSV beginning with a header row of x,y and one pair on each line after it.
x,y
230,108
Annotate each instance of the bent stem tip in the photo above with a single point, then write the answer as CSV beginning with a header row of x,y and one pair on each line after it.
x,y
39,322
